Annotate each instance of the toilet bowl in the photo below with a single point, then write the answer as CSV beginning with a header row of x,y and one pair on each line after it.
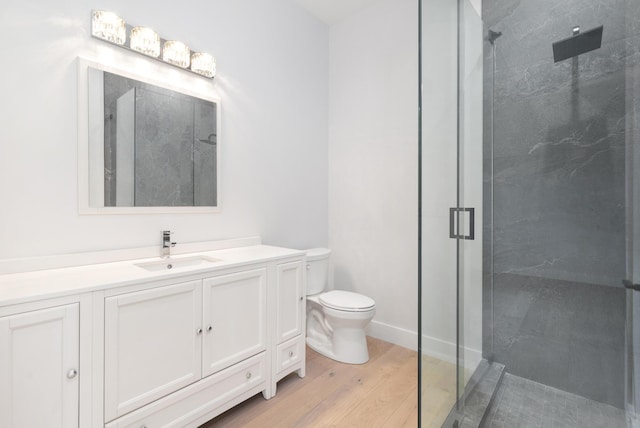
x,y
336,320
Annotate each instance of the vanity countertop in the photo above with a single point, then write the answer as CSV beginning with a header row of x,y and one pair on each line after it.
x,y
28,286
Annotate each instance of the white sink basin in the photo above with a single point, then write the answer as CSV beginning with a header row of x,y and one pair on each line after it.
x,y
177,263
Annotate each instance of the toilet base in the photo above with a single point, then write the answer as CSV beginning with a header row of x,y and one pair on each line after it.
x,y
350,349
336,334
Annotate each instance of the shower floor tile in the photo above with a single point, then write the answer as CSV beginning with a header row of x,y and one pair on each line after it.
x,y
524,403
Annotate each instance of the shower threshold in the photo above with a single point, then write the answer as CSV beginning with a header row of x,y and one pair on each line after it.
x,y
478,395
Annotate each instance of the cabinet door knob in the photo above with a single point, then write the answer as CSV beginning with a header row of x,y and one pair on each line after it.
x,y
209,328
301,298
308,266
199,331
290,354
72,373
248,375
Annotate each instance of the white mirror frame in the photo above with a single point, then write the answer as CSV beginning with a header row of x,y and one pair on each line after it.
x,y
190,85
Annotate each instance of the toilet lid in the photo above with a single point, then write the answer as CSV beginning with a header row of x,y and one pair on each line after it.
x,y
346,301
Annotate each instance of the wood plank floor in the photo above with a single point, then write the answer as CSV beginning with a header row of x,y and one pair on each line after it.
x,y
381,393
438,391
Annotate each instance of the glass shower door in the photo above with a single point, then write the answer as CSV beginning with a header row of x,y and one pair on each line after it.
x,y
560,163
470,201
451,198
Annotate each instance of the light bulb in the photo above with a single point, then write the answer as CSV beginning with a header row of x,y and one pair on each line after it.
x,y
203,63
108,26
176,53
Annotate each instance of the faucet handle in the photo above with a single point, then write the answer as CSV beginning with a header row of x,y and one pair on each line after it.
x,y
166,239
167,243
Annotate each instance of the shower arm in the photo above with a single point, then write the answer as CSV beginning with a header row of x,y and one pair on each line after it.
x,y
630,285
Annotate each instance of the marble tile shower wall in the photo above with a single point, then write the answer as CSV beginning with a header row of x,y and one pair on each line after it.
x,y
163,170
174,163
554,141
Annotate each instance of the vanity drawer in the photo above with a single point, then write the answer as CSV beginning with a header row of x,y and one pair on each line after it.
x,y
290,353
208,397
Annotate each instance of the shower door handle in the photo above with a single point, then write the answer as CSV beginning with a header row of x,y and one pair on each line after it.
x,y
454,221
630,285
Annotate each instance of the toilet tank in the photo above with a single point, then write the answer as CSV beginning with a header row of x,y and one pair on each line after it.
x,y
317,270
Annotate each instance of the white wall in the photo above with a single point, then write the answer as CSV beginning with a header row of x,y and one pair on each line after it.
x,y
373,159
272,81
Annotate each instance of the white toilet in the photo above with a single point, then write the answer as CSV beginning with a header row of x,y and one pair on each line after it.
x,y
335,319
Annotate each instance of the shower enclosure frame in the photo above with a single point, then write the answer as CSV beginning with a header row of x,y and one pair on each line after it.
x,y
582,44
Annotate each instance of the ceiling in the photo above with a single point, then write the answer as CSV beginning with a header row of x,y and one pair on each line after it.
x,y
332,11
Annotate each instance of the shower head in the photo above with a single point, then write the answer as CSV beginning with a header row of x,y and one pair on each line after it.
x,y
577,44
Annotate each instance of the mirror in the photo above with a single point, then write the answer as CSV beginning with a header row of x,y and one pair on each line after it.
x,y
151,147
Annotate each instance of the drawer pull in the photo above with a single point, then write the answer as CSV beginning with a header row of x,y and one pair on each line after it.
x,y
248,375
301,298
290,354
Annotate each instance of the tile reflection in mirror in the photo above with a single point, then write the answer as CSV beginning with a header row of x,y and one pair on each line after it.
x,y
159,146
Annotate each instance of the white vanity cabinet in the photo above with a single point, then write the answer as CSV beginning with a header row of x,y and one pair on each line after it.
x,y
235,318
290,320
160,340
152,345
39,356
113,346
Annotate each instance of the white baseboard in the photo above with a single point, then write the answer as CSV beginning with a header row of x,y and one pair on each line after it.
x,y
392,334
446,351
431,346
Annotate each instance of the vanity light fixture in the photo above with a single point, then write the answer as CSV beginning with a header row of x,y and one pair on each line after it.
x,y
111,28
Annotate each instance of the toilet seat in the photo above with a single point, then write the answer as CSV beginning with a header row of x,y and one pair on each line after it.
x,y
346,301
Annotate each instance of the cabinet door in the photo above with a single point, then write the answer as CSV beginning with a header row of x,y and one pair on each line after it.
x,y
235,318
290,295
152,345
39,354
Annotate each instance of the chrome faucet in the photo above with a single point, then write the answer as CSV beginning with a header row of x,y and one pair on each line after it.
x,y
166,243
